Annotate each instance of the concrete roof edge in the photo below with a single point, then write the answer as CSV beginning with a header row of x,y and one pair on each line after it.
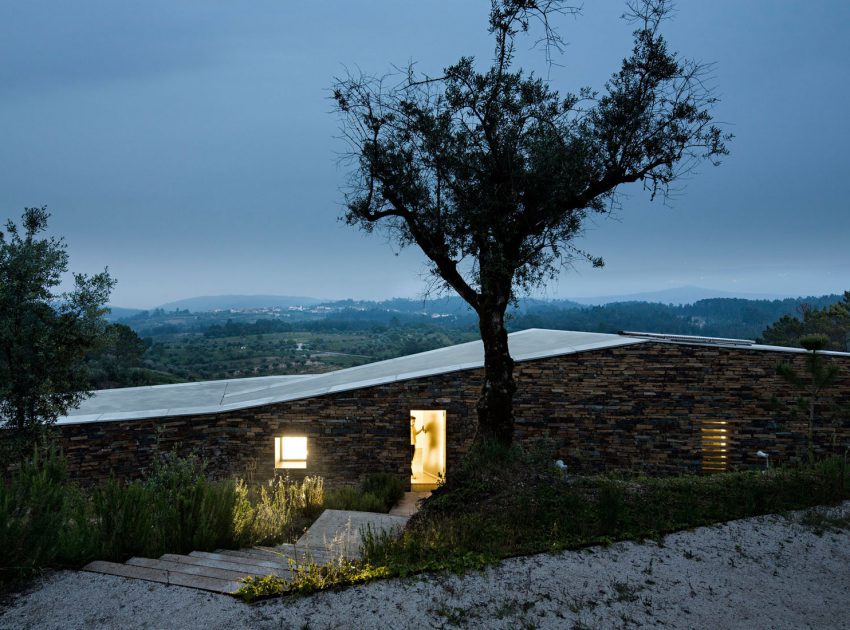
x,y
612,341
343,387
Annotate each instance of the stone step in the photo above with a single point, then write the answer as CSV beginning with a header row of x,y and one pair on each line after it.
x,y
191,569
227,555
302,553
162,576
334,534
230,563
254,555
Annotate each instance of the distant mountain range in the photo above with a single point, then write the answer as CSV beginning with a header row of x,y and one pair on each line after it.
x,y
231,315
447,304
678,296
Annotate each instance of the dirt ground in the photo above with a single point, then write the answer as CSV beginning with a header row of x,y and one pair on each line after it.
x,y
766,572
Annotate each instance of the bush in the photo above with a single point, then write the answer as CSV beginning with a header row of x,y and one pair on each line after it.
x,y
348,498
387,487
378,492
275,511
47,520
43,520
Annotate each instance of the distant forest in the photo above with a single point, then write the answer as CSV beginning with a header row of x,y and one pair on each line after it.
x,y
180,345
718,317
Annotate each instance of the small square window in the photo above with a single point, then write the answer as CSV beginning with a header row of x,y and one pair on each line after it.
x,y
290,452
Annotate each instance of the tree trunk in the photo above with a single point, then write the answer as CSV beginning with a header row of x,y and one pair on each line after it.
x,y
495,406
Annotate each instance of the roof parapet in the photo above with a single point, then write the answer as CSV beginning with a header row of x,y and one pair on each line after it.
x,y
715,341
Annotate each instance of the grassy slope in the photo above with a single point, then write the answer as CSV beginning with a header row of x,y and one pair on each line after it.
x,y
504,503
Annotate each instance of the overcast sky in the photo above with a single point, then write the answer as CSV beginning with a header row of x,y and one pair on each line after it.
x,y
190,146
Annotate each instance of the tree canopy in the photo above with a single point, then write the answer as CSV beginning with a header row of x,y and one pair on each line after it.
x,y
832,321
492,173
44,334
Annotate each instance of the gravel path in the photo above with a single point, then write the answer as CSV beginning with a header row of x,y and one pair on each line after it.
x,y
766,572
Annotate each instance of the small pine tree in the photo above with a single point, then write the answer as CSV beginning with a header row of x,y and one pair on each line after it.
x,y
819,376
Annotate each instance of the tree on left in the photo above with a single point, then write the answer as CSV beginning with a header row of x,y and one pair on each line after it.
x,y
45,334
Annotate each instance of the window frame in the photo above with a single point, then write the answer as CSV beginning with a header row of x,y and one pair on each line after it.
x,y
281,462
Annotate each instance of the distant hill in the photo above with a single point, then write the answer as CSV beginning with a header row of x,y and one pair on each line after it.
x,y
206,303
678,295
437,306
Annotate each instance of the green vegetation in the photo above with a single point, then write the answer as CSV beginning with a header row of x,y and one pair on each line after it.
x,y
492,173
819,376
505,502
311,578
500,503
378,493
180,345
45,335
196,356
715,317
47,520
119,361
279,510
832,321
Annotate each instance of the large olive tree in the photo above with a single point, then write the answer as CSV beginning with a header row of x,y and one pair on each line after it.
x,y
491,172
44,334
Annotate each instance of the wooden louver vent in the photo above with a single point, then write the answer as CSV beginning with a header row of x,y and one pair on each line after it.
x,y
714,446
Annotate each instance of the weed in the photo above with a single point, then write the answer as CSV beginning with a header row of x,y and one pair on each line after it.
x,y
309,578
454,615
625,592
513,607
820,522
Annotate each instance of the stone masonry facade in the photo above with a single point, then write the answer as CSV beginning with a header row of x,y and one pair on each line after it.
x,y
639,407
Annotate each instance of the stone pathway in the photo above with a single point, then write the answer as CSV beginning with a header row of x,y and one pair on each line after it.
x,y
338,531
334,535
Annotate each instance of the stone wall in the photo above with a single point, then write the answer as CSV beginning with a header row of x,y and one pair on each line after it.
x,y
637,407
642,407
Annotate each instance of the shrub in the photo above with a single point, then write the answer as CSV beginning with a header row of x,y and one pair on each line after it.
x,y
46,520
275,511
347,498
43,521
378,492
388,487
505,502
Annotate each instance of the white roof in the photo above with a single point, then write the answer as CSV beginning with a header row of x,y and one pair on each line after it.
x,y
158,401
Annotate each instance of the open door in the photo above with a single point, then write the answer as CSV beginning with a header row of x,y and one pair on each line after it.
x,y
428,448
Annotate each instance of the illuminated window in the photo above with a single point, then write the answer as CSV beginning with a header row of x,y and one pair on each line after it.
x,y
715,445
290,452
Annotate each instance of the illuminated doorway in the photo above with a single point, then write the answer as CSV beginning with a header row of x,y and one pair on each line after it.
x,y
428,448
